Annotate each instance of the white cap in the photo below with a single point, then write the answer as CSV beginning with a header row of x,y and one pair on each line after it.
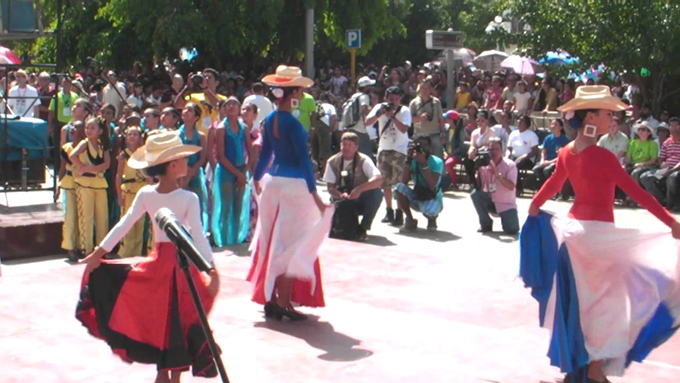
x,y
365,81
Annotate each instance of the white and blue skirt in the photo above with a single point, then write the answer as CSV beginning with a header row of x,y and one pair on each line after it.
x,y
605,293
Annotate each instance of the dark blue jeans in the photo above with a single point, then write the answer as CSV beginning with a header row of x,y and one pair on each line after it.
x,y
367,206
485,206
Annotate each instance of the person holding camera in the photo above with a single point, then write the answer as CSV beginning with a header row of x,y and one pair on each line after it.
x,y
393,123
354,181
426,112
496,192
425,170
201,89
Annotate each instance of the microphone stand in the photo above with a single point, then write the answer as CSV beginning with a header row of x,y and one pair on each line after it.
x,y
184,265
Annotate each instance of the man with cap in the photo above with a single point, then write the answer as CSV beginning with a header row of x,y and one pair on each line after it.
x,y
202,92
393,123
363,100
114,92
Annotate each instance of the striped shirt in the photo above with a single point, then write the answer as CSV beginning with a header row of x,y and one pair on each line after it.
x,y
670,152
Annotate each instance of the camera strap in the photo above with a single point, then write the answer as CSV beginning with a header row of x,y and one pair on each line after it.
x,y
338,180
387,124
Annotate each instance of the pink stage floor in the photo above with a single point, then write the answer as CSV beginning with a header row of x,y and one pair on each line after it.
x,y
392,316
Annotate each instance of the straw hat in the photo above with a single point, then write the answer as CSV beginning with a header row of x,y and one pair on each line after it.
x,y
159,149
593,97
288,76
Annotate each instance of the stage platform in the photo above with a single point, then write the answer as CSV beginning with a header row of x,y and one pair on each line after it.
x,y
30,224
422,307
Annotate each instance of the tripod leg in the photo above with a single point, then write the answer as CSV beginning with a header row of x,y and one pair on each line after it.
x,y
204,322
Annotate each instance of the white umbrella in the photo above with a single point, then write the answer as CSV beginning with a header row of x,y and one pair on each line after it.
x,y
521,65
490,60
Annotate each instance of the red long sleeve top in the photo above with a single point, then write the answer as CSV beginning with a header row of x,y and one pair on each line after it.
x,y
594,174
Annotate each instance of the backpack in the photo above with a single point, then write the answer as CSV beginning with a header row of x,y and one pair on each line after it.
x,y
351,111
345,221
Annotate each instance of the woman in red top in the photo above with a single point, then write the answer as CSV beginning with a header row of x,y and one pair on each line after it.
x,y
622,277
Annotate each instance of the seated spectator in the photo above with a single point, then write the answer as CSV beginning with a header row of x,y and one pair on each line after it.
x,y
546,100
479,140
551,145
352,176
523,147
425,170
642,151
662,133
504,127
646,115
521,98
462,97
615,141
496,193
458,144
669,159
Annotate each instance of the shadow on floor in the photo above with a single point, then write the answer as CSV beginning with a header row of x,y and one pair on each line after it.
x,y
437,236
337,347
378,240
502,237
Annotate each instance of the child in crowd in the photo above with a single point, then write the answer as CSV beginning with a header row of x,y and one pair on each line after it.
x,y
195,178
128,183
91,159
521,98
69,240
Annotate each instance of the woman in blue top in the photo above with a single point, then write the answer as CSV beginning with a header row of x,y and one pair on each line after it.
x,y
195,178
230,189
293,220
551,144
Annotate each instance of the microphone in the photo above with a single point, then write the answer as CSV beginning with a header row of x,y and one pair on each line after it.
x,y
168,222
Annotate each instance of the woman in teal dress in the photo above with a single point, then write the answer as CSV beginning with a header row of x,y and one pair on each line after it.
x,y
195,178
231,193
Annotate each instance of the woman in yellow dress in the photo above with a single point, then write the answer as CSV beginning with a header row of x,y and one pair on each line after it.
x,y
91,159
128,183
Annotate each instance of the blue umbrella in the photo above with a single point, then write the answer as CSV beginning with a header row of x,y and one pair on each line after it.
x,y
559,58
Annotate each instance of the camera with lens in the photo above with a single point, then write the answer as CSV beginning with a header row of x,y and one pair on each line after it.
x,y
386,107
483,158
197,79
345,185
417,148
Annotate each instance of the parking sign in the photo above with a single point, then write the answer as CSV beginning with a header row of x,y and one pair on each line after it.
x,y
353,39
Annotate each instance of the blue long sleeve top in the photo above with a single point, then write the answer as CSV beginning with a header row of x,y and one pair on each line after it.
x,y
291,151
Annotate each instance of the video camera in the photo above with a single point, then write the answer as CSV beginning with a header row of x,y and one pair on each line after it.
x,y
483,158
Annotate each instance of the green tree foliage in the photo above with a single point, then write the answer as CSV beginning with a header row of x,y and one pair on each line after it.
x,y
625,35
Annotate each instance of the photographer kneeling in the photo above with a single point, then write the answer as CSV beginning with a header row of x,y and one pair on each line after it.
x,y
354,184
425,170
495,192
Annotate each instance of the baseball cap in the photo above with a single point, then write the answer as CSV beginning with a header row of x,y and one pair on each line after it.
x,y
365,81
451,115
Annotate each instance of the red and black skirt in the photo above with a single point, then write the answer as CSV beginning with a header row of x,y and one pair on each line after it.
x,y
145,312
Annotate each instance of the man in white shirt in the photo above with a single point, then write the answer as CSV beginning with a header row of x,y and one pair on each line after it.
x,y
23,98
523,147
114,92
264,106
504,129
353,177
362,97
615,141
394,120
324,125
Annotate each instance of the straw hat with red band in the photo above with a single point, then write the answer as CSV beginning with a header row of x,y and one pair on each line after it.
x,y
288,76
159,149
593,97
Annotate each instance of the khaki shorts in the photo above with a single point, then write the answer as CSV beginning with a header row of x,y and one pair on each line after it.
x,y
391,165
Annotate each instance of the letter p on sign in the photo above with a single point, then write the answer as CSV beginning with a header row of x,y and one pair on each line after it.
x,y
353,39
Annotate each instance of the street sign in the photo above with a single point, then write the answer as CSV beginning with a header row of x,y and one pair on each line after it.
x,y
444,39
353,39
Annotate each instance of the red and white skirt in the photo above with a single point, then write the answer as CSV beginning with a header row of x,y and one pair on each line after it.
x,y
145,312
290,230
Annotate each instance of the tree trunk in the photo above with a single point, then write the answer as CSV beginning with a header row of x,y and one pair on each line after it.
x,y
657,92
